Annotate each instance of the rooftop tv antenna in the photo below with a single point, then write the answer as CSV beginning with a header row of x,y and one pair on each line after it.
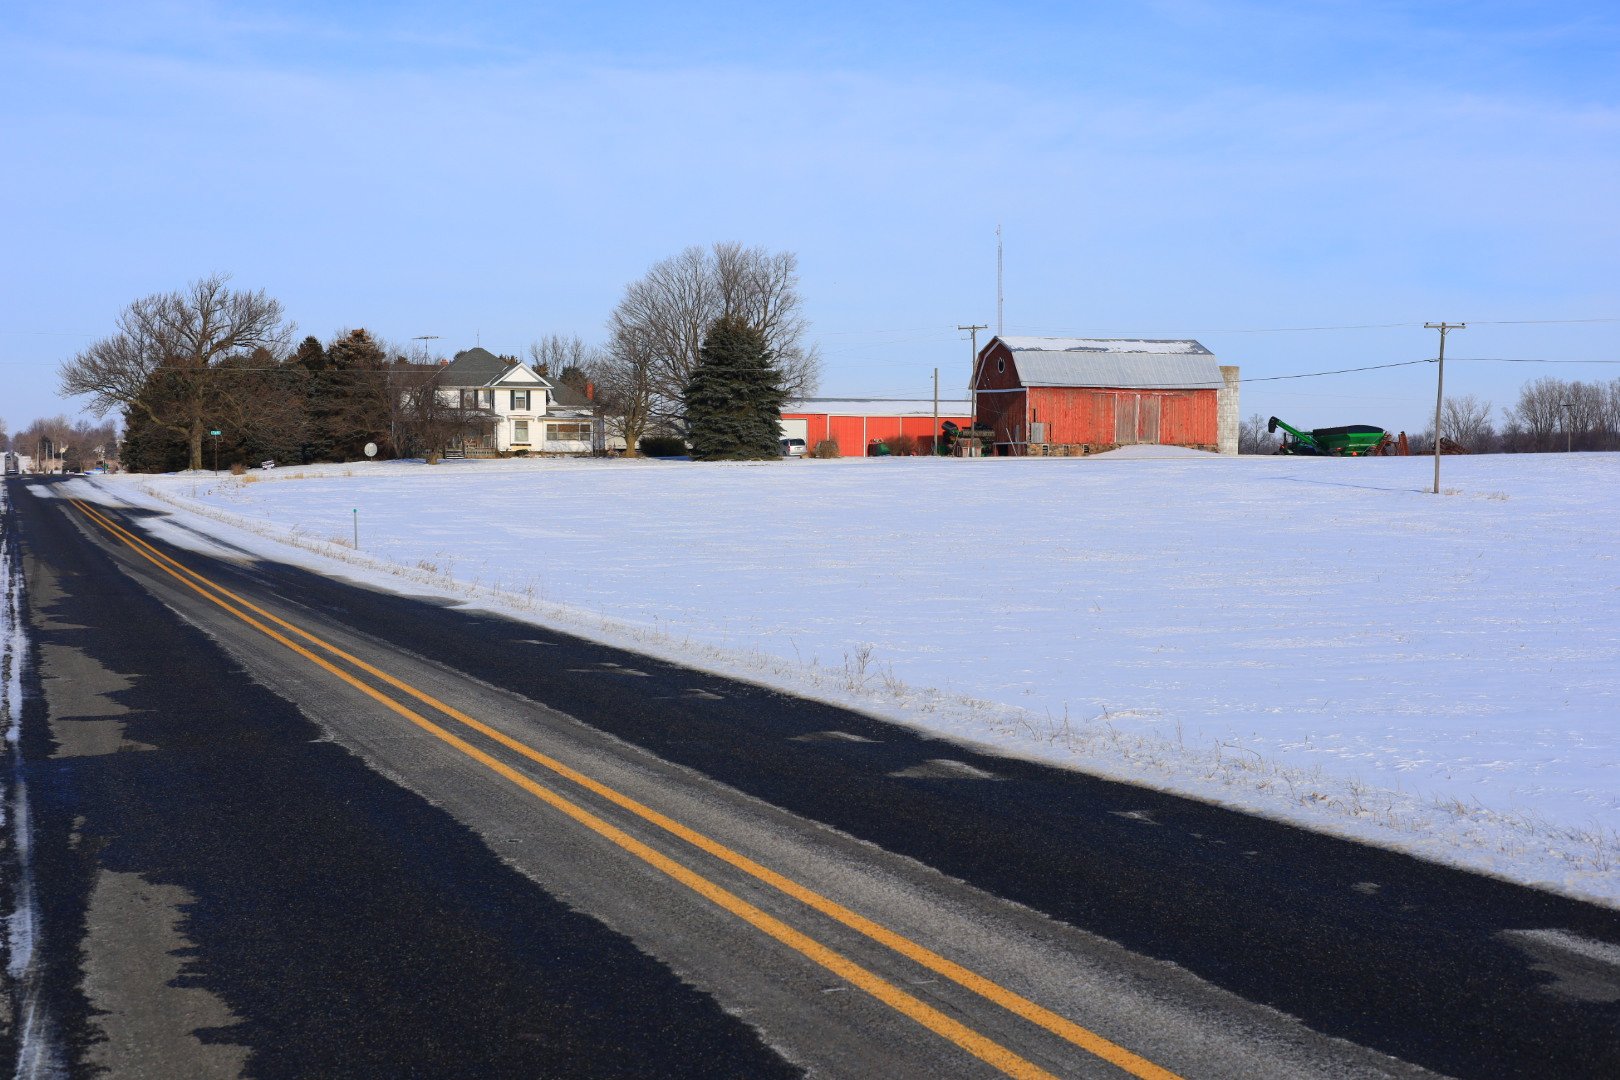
x,y
424,339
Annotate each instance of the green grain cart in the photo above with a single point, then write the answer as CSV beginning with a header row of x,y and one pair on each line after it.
x,y
1354,440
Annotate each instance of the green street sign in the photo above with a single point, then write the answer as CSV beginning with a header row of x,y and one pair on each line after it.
x,y
215,431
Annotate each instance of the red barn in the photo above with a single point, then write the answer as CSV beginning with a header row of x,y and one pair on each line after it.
x,y
1071,396
855,424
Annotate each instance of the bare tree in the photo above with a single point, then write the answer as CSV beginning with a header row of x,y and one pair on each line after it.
x,y
1552,414
1253,438
1539,413
626,387
434,419
1466,420
669,310
1611,416
181,340
55,443
263,406
554,354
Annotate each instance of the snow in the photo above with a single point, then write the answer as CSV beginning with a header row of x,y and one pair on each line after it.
x,y
38,1051
1319,640
1103,345
875,407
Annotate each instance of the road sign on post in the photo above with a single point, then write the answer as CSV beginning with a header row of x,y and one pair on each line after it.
x,y
215,433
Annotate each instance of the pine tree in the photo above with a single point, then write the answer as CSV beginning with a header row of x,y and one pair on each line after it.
x,y
734,397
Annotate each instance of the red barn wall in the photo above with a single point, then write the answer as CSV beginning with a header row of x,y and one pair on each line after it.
x,y
850,434
1087,416
1073,415
998,370
1004,414
854,434
815,426
1188,418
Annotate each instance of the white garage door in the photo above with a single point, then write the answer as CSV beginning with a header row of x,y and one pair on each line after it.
x,y
795,429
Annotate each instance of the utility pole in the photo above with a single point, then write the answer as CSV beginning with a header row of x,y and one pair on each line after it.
x,y
1569,434
973,378
933,442
1440,390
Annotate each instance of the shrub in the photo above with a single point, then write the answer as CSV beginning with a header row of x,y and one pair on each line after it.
x,y
662,446
238,469
902,445
826,448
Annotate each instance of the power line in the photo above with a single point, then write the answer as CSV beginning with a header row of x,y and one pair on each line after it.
x,y
1525,360
1538,322
1241,330
1311,329
1339,371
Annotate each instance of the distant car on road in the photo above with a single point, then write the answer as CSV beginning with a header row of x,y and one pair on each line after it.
x,y
794,448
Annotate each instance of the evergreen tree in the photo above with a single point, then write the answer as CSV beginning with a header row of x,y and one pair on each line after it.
x,y
316,443
357,411
734,397
148,447
346,393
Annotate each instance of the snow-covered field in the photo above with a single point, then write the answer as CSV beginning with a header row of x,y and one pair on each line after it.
x,y
1319,640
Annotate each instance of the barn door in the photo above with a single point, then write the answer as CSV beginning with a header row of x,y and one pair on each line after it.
x,y
1124,418
1147,429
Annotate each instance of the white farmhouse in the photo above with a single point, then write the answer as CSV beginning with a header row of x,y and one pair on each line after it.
x,y
528,412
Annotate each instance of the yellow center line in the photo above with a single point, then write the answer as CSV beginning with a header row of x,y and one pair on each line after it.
x,y
1061,1026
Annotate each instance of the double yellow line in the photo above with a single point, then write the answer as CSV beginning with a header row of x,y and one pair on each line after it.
x,y
285,633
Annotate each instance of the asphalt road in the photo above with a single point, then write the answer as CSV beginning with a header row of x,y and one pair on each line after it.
x,y
282,825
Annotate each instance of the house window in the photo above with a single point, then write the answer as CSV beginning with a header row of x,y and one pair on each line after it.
x,y
486,399
520,431
570,432
520,401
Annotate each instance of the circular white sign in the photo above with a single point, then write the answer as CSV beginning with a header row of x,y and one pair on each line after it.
x,y
371,449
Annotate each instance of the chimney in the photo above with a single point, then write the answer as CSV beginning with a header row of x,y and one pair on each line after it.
x,y
590,391
443,362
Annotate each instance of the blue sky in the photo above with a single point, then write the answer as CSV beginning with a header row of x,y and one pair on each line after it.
x,y
1172,169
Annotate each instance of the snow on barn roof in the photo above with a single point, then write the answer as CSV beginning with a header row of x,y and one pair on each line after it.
x,y
1181,364
876,407
1181,346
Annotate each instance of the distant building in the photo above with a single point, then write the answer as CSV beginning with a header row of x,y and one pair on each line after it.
x,y
526,411
1071,396
857,424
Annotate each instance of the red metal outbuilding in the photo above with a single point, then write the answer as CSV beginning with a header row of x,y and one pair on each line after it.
x,y
1071,396
856,424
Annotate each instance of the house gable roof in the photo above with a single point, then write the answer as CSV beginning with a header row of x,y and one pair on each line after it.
x,y
565,396
480,367
1176,364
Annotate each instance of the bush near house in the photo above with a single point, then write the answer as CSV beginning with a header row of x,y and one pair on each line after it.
x,y
662,446
901,445
825,449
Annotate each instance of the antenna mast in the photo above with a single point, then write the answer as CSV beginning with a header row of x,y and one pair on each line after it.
x,y
1000,295
424,339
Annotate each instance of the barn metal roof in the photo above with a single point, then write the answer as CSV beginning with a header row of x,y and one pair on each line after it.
x,y
1163,346
876,407
1124,362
